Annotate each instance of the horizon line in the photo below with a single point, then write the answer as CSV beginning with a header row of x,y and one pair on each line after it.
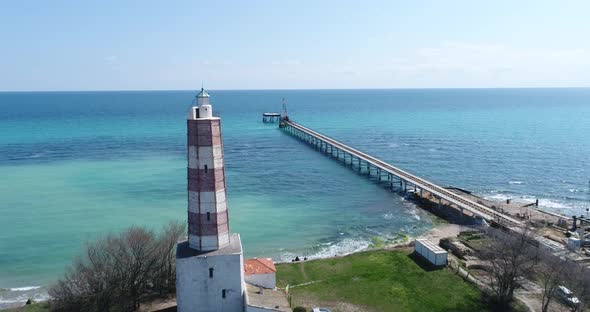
x,y
293,89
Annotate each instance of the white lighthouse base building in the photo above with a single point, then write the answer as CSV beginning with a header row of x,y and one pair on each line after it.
x,y
210,281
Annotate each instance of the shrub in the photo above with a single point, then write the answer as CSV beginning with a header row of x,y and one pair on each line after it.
x,y
299,309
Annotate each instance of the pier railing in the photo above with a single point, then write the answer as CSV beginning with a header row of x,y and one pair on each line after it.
x,y
461,202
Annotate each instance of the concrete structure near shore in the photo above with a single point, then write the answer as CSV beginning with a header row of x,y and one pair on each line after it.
x,y
210,264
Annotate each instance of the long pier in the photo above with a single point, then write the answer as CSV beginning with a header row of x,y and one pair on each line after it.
x,y
393,174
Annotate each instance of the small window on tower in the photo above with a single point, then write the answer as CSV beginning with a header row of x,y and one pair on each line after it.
x,y
223,293
206,169
208,216
210,272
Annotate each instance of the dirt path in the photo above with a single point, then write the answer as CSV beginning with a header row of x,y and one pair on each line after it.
x,y
302,269
444,230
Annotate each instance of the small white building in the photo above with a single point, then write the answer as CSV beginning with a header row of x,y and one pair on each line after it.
x,y
260,272
431,252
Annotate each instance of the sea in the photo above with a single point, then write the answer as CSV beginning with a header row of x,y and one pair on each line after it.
x,y
77,165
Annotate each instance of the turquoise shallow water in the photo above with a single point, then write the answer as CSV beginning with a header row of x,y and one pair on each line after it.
x,y
74,165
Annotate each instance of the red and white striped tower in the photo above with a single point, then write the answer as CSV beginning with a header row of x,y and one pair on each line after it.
x,y
208,223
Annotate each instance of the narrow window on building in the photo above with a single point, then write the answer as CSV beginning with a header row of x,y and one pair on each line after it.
x,y
208,216
223,293
205,168
210,272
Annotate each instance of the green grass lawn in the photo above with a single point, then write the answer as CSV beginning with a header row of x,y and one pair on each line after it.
x,y
377,281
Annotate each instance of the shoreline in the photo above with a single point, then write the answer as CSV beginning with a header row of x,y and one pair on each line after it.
x,y
446,223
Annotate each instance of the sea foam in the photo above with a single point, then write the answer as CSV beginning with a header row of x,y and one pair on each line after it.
x,y
327,250
24,288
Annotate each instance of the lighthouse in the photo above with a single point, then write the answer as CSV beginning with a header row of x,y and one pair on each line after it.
x,y
208,226
209,265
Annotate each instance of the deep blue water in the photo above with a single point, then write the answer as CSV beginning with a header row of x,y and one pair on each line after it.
x,y
74,165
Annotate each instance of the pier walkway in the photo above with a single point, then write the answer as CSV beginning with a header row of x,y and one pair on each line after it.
x,y
393,174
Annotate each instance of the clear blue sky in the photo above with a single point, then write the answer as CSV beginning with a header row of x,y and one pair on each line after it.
x,y
145,45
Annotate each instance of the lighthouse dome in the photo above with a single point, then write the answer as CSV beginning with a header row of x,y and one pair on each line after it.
x,y
203,108
203,98
203,94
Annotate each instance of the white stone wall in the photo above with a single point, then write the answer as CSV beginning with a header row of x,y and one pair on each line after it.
x,y
263,280
196,291
191,114
205,111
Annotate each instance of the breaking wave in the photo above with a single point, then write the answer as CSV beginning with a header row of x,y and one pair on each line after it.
x,y
24,288
553,205
498,197
327,250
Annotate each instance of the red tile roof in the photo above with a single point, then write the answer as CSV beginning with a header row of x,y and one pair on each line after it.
x,y
259,266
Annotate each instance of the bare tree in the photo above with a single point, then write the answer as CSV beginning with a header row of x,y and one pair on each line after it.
x,y
511,256
578,280
136,259
164,280
551,272
117,272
